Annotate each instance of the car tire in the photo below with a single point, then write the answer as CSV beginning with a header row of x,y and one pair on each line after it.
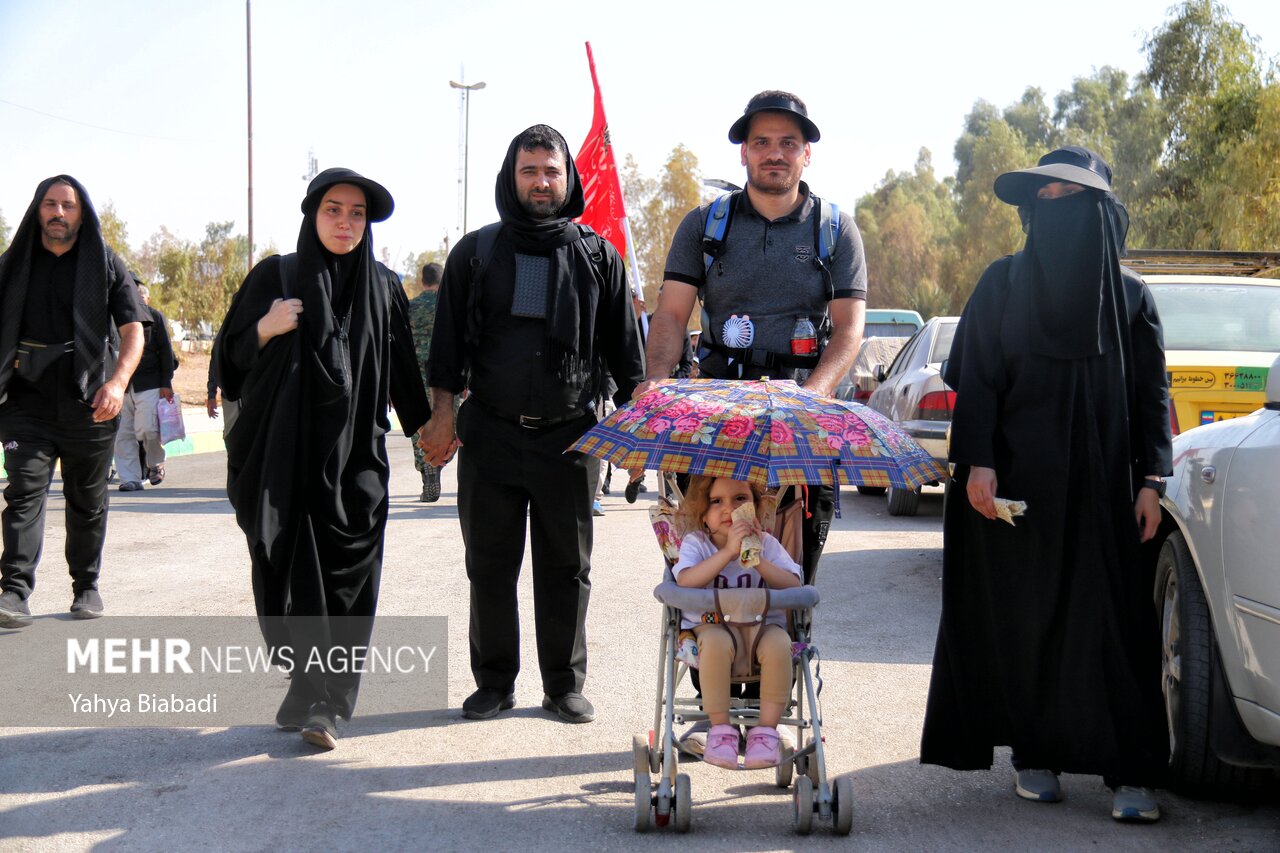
x,y
1188,663
873,491
903,501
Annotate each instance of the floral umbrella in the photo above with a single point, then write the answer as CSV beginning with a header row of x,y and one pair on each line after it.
x,y
773,433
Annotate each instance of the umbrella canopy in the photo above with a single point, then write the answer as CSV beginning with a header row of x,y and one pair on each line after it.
x,y
773,433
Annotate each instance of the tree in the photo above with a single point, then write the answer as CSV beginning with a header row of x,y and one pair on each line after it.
x,y
987,227
655,209
4,233
907,225
1206,69
116,234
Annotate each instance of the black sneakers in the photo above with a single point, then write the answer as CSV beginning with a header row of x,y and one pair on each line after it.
x,y
570,707
487,702
87,604
14,612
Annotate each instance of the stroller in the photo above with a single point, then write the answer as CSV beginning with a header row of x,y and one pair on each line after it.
x,y
669,801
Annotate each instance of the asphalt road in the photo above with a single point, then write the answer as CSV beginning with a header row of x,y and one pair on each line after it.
x,y
526,780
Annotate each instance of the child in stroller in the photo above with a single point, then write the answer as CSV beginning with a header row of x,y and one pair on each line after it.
x,y
711,557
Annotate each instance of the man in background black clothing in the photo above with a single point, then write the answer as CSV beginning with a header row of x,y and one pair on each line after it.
x,y
70,338
532,312
139,419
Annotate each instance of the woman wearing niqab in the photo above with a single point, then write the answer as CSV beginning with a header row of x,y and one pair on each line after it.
x,y
1049,641
315,345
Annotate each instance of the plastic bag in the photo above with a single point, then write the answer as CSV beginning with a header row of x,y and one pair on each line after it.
x,y
170,413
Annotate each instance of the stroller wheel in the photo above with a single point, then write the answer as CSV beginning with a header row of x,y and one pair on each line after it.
x,y
640,754
802,800
683,804
643,802
842,805
782,772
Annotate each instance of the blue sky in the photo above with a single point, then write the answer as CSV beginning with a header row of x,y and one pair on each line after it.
x,y
144,101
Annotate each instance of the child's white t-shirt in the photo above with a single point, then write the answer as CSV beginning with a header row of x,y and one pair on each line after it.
x,y
697,546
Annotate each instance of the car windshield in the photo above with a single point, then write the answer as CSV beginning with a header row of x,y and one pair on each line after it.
x,y
942,343
1231,317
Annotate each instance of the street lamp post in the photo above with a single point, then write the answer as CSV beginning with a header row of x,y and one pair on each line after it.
x,y
466,139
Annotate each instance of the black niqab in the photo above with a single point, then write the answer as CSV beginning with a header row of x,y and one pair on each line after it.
x,y
1069,276
91,315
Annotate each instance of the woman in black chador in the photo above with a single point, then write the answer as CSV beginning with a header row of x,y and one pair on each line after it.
x,y
314,346
1049,640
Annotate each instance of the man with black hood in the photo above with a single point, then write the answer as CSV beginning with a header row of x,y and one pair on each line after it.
x,y
70,338
533,310
315,346
1049,641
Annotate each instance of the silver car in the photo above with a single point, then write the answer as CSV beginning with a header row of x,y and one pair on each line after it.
x,y
912,394
1218,590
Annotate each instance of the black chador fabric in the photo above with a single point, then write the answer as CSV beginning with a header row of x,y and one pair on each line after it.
x,y
1049,639
573,294
90,313
306,461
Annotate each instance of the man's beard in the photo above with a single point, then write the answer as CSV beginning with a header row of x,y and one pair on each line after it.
x,y
64,237
773,184
546,207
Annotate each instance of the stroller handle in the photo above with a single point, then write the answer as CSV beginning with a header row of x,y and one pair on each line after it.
x,y
697,599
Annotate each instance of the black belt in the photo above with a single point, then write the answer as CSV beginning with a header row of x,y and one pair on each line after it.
x,y
526,421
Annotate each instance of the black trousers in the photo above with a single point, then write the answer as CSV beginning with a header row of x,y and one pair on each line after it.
x,y
32,444
508,474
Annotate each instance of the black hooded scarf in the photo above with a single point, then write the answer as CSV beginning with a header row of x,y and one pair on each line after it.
x,y
91,313
307,468
571,298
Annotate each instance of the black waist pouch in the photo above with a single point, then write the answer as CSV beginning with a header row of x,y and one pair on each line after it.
x,y
34,358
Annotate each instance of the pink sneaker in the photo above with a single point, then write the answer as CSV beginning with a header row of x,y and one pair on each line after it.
x,y
722,747
762,748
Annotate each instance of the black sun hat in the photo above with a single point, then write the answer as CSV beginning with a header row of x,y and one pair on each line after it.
x,y
1072,164
778,102
378,201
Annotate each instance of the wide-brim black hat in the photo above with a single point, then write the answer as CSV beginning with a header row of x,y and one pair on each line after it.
x,y
378,202
1071,164
776,103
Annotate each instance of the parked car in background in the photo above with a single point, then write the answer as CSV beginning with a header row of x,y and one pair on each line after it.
x,y
912,394
859,382
1221,334
1218,590
891,323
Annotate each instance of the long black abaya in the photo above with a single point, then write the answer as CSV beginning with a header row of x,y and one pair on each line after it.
x,y
1049,639
307,463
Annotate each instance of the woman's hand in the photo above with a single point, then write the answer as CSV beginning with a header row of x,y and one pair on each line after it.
x,y
281,319
982,490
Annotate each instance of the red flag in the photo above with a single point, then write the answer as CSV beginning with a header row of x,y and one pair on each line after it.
x,y
599,171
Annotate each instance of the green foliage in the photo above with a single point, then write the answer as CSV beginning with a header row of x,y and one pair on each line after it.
x,y
1194,142
906,226
194,282
4,233
655,209
116,234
